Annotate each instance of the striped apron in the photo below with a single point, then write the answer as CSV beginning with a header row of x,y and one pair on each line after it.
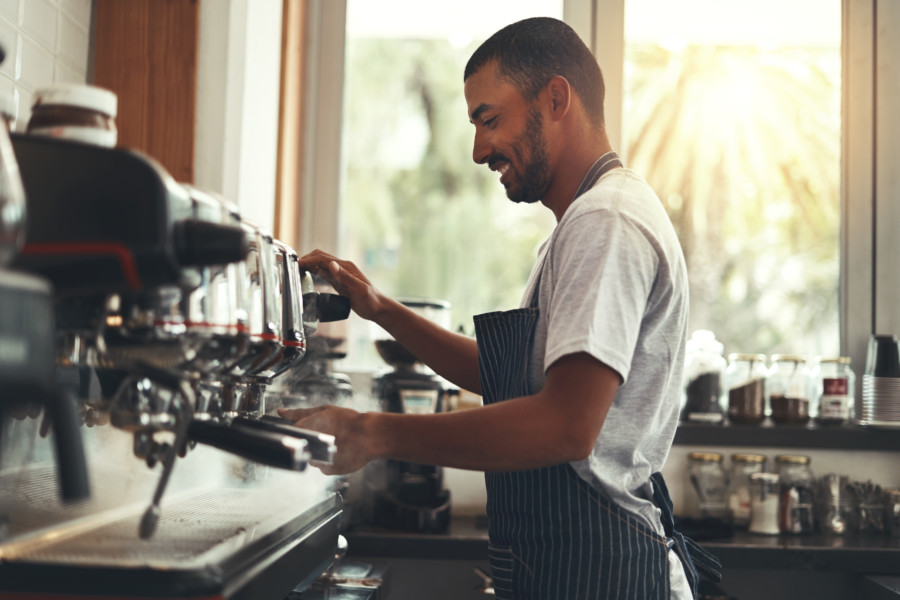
x,y
553,536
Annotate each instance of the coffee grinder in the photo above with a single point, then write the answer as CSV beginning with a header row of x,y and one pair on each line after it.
x,y
410,496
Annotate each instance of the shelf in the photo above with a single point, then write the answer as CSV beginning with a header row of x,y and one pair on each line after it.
x,y
467,539
848,437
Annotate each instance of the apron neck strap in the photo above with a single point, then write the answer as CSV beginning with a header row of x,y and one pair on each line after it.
x,y
601,166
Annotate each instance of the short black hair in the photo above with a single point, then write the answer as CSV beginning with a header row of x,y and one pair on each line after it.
x,y
531,52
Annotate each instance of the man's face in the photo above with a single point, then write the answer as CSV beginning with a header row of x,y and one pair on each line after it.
x,y
509,135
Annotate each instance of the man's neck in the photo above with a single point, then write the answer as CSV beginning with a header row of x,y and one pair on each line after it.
x,y
571,171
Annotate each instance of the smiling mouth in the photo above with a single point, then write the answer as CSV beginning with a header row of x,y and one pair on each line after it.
x,y
503,168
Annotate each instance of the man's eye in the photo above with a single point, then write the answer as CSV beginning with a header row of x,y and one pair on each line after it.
x,y
490,122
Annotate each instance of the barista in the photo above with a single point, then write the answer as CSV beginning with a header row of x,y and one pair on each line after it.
x,y
581,383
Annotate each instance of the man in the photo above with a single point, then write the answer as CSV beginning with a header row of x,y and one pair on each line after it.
x,y
582,383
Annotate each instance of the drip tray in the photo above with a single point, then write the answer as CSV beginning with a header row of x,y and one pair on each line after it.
x,y
230,543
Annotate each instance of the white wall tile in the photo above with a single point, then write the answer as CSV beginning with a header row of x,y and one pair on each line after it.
x,y
9,37
67,74
10,10
78,10
73,44
26,99
46,42
39,21
37,65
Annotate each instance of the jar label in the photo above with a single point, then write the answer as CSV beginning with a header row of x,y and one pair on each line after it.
x,y
834,386
834,407
77,133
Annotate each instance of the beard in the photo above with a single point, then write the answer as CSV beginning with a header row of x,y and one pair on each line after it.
x,y
530,150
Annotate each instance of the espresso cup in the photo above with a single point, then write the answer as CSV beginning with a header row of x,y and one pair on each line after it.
x,y
883,358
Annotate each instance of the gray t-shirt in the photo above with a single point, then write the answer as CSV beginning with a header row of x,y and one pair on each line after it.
x,y
613,283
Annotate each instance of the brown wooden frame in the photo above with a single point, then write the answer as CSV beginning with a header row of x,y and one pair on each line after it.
x,y
146,52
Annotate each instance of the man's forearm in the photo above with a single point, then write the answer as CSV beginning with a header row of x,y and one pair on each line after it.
x,y
507,436
451,355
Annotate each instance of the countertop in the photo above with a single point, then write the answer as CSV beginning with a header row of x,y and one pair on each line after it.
x,y
466,539
880,587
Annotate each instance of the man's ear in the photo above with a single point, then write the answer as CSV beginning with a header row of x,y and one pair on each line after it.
x,y
559,96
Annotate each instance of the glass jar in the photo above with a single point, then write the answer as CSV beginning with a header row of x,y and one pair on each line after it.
x,y
742,467
834,383
787,388
764,503
77,112
746,382
834,504
707,478
797,503
704,373
892,512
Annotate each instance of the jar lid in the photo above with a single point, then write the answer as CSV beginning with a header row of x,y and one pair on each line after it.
x,y
747,357
796,459
796,358
748,458
705,456
79,95
765,477
704,340
841,360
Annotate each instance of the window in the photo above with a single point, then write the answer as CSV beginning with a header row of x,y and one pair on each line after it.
x,y
735,120
418,215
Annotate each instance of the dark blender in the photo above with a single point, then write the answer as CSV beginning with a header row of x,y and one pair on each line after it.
x,y
410,496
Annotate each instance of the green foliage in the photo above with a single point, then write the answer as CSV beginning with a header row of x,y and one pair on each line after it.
x,y
743,145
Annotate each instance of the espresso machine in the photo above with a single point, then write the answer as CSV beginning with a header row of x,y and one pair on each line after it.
x,y
159,319
409,496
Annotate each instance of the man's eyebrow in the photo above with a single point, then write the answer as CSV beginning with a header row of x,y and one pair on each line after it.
x,y
476,114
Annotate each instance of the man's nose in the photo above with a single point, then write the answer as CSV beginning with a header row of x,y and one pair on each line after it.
x,y
480,149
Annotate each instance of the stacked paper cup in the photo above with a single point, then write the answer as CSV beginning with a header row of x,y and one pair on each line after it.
x,y
880,406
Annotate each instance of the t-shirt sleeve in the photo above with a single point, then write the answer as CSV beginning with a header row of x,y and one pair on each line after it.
x,y
602,269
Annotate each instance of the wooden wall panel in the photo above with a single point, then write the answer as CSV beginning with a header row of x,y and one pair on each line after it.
x,y
146,52
288,195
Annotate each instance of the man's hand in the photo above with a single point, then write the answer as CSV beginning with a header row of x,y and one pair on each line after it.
x,y
347,428
347,280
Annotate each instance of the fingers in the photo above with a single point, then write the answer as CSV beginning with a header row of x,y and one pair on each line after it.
x,y
337,277
326,468
331,420
298,414
326,266
316,261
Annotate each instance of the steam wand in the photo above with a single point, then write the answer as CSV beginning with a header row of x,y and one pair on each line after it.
x,y
184,401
